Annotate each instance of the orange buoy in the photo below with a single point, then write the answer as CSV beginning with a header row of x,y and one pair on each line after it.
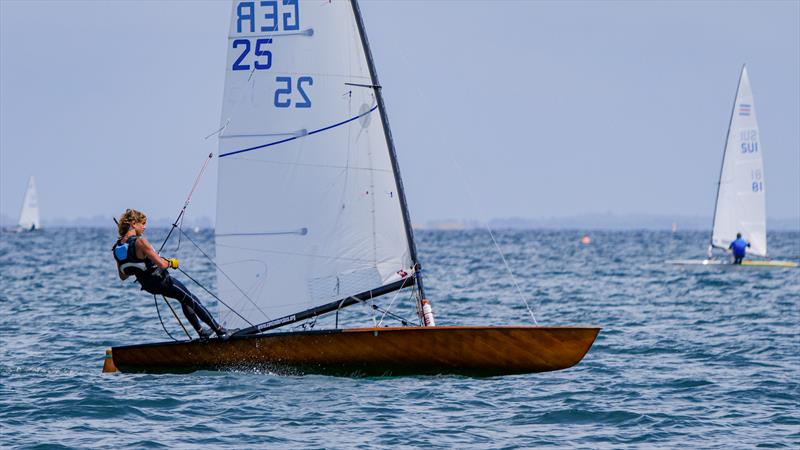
x,y
108,364
586,240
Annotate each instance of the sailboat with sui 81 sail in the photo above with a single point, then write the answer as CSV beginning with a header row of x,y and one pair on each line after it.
x,y
312,218
740,205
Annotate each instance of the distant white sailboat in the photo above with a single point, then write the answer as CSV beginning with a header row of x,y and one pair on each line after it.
x,y
29,214
740,205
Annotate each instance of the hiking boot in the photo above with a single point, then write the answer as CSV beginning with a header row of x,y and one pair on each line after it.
x,y
204,333
222,333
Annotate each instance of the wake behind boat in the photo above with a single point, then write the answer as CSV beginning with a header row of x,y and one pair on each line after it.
x,y
312,218
740,203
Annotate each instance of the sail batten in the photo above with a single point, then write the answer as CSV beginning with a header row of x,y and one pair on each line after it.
x,y
740,205
310,208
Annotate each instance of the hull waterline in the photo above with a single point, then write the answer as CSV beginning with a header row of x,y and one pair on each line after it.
x,y
479,351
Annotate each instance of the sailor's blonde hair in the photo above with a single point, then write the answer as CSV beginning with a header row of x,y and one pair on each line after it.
x,y
128,218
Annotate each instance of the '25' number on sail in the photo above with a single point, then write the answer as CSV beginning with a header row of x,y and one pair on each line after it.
x,y
283,94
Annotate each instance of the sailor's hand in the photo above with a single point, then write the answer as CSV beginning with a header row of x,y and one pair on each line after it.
x,y
173,263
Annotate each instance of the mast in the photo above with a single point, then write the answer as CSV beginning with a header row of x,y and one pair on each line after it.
x,y
392,155
722,166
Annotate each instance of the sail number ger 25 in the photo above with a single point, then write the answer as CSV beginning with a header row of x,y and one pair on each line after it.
x,y
269,16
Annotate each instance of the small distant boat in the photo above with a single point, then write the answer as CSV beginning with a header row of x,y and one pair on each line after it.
x,y
312,218
741,190
29,214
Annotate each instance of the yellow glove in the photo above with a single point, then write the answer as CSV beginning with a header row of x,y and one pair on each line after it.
x,y
173,263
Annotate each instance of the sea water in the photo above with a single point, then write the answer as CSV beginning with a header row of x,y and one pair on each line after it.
x,y
696,358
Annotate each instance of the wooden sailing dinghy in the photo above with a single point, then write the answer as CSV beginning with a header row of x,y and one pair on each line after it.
x,y
481,351
312,218
740,203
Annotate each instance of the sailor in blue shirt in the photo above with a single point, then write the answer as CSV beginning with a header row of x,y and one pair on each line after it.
x,y
739,248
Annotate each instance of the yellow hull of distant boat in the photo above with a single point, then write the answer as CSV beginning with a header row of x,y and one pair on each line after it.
x,y
769,263
718,262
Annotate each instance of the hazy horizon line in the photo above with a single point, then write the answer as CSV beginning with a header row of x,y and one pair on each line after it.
x,y
596,221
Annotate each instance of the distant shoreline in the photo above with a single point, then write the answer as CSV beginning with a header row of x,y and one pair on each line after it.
x,y
607,221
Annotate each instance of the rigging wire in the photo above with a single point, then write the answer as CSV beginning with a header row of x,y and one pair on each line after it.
x,y
405,322
214,295
179,220
387,310
467,189
513,278
225,274
186,203
494,241
180,228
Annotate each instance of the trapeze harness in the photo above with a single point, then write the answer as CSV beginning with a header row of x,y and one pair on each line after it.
x,y
158,282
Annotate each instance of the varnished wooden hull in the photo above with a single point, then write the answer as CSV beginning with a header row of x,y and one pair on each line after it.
x,y
481,351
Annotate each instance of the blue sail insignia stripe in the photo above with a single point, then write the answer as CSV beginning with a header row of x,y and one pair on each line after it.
x,y
297,137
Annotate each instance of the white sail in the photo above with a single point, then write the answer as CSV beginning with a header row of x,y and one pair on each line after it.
x,y
29,214
308,208
740,199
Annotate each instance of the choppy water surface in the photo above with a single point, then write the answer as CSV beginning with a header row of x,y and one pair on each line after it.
x,y
702,359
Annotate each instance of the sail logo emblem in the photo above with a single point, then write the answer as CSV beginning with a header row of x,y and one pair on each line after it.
x,y
744,109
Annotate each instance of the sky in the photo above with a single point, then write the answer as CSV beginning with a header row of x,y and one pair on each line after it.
x,y
498,109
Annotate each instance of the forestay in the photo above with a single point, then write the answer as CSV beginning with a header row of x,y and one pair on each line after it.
x,y
740,198
29,214
308,208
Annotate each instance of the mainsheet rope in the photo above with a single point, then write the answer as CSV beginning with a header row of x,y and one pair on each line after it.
x,y
155,301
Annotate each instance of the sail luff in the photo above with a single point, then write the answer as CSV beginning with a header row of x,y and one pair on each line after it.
x,y
722,164
389,141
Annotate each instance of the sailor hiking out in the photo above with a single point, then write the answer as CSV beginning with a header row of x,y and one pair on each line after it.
x,y
136,257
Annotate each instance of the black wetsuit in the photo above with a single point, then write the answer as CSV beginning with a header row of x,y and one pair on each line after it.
x,y
158,282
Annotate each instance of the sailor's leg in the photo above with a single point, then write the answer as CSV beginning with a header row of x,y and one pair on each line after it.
x,y
192,307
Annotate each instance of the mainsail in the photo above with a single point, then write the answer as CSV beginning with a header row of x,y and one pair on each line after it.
x,y
740,196
29,214
310,207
